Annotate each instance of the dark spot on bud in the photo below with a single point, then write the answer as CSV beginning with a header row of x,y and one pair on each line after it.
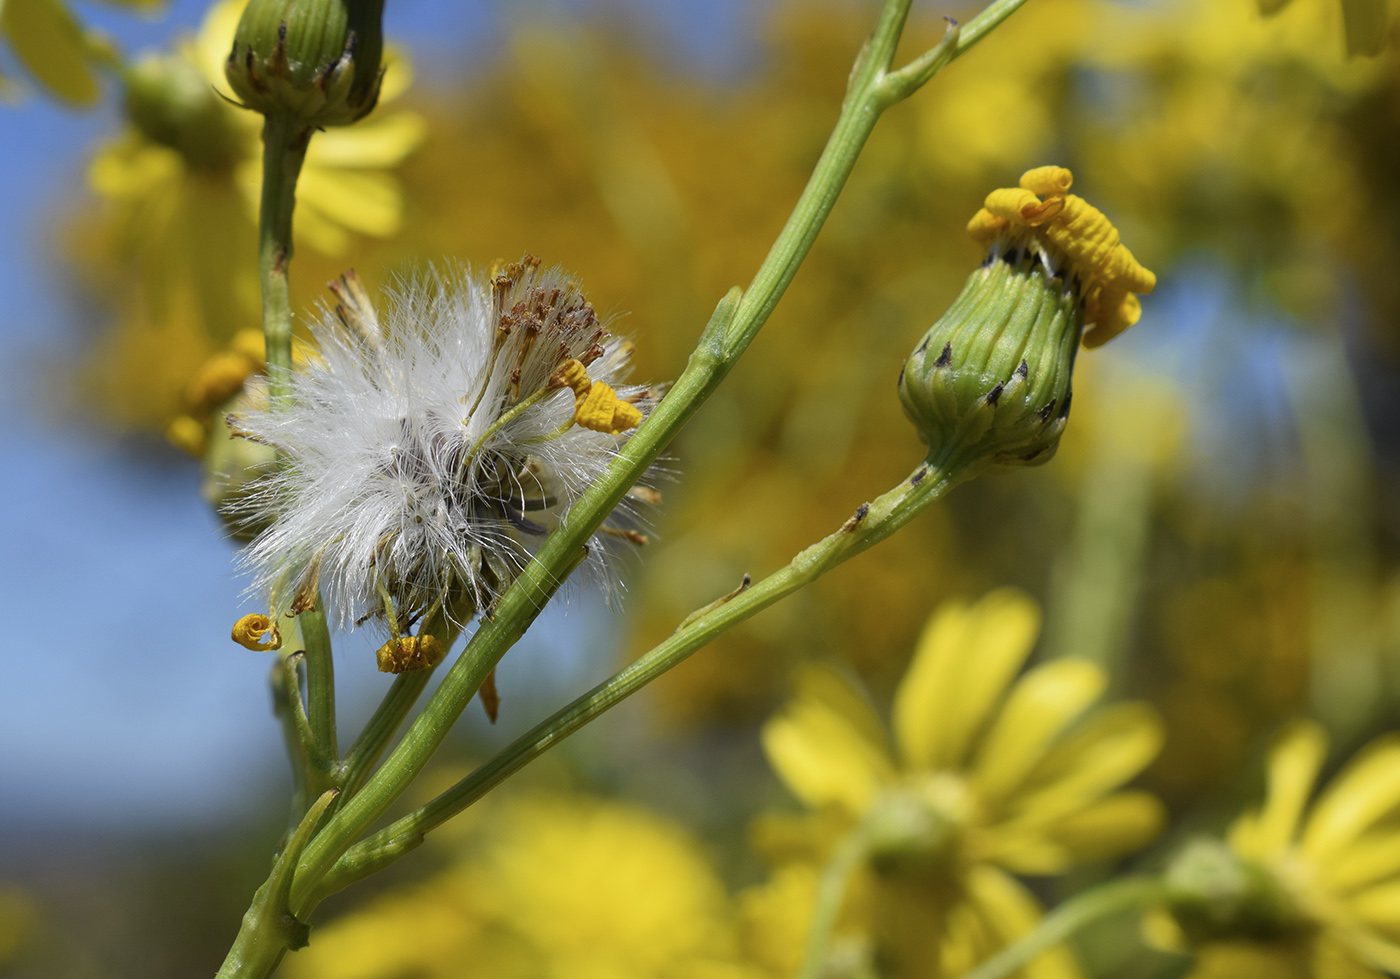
x,y
918,477
923,346
1064,408
1024,370
946,357
1035,261
1012,256
1047,410
901,375
994,395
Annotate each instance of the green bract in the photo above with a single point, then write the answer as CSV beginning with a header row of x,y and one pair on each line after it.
x,y
993,373
314,61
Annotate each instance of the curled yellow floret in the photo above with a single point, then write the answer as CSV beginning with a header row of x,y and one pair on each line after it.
x,y
250,631
601,410
407,654
1110,275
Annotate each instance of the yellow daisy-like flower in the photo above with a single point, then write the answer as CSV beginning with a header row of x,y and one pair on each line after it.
x,y
1311,892
183,184
1042,211
989,775
564,886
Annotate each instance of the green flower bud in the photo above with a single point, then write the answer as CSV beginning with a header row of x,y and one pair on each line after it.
x,y
991,379
316,61
993,374
1214,895
171,103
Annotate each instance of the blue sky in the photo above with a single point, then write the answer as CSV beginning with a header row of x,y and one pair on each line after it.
x,y
124,702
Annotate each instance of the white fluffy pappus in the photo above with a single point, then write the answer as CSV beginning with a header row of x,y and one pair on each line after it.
x,y
427,452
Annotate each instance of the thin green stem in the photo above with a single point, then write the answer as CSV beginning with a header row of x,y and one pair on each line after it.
x,y
320,681
359,761
831,897
269,929
284,149
870,524
733,326
1085,908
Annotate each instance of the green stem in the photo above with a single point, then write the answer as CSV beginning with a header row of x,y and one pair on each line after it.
x,y
831,896
320,681
1085,908
269,929
733,326
869,525
403,694
284,149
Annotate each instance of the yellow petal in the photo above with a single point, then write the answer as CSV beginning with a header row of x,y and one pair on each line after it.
x,y
50,42
1121,823
820,746
1294,760
1367,860
373,143
965,658
366,202
1365,791
1010,911
1016,205
1251,960
1113,745
1039,707
1351,955
985,226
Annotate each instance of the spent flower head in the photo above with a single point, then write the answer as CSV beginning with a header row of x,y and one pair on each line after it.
x,y
426,452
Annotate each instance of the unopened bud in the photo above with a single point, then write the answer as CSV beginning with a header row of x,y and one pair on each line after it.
x,y
315,61
169,100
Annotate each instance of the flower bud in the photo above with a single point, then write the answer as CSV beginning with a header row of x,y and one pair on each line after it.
x,y
168,99
1214,895
315,61
991,378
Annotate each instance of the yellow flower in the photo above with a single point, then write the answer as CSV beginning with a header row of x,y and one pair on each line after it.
x,y
989,775
50,42
1305,891
182,186
566,887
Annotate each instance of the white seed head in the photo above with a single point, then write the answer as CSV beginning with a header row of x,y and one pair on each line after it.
x,y
426,453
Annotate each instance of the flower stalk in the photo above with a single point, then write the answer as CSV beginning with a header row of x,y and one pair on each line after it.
x,y
1120,894
870,524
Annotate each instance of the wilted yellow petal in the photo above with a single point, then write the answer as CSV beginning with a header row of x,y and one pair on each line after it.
x,y
50,42
1010,911
822,750
965,658
1016,205
1294,760
1365,791
1048,181
1113,745
1039,707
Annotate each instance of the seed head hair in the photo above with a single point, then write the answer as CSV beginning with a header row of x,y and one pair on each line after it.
x,y
428,449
